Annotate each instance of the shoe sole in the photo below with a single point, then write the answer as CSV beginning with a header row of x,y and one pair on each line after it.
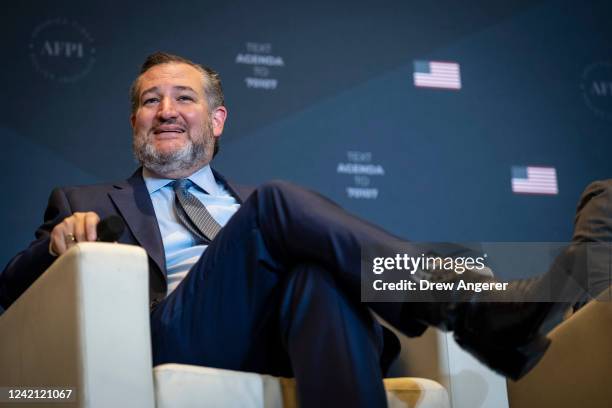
x,y
511,360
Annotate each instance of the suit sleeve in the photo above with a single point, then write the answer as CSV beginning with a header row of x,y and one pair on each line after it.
x,y
29,264
593,224
594,214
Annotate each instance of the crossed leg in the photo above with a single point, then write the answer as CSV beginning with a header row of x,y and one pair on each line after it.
x,y
277,292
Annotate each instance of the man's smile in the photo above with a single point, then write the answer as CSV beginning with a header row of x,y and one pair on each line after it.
x,y
168,129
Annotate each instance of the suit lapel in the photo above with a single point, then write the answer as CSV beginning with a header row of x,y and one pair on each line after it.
x,y
134,204
132,199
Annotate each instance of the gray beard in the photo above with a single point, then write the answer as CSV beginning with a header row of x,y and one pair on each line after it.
x,y
168,163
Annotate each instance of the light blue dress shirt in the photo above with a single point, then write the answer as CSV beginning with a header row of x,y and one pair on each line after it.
x,y
180,246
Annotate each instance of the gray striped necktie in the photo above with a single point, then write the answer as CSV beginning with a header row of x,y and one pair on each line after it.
x,y
192,213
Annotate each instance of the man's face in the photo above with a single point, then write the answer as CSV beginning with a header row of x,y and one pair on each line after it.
x,y
174,132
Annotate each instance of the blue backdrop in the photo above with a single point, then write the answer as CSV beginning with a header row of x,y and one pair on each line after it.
x,y
322,93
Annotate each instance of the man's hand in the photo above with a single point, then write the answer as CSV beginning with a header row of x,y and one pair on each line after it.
x,y
79,227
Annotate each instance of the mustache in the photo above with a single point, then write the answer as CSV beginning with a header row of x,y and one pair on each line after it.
x,y
169,125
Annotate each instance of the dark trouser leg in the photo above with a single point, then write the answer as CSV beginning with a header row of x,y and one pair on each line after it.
x,y
298,225
338,366
240,308
308,329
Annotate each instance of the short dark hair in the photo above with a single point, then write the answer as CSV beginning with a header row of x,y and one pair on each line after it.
x,y
212,82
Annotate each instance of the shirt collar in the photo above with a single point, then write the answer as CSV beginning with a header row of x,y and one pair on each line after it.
x,y
203,178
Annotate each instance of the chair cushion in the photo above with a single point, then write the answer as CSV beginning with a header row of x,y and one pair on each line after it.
x,y
182,386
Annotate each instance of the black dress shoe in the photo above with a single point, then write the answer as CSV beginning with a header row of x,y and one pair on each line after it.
x,y
507,337
505,330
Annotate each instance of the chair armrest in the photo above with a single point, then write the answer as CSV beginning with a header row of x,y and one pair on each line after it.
x,y
84,324
576,369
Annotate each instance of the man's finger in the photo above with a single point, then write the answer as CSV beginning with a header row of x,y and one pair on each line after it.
x,y
58,243
91,222
79,228
67,225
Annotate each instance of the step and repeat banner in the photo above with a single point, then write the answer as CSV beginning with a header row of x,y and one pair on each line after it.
x,y
441,121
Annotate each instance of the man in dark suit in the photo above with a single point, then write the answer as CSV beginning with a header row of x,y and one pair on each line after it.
x,y
267,281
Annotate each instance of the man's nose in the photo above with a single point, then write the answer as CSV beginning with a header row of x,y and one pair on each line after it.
x,y
167,110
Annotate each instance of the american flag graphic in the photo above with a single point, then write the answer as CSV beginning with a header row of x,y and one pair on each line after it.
x,y
534,180
437,74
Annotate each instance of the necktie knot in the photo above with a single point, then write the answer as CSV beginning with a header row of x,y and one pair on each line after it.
x,y
182,185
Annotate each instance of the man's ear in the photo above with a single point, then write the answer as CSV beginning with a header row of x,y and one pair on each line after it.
x,y
132,120
218,120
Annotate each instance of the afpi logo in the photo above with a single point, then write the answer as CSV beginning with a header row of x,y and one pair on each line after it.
x,y
597,88
62,50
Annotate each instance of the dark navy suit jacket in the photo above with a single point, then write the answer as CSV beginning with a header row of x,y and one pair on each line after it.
x,y
128,199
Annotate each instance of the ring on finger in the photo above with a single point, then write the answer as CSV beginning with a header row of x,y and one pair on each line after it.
x,y
70,237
